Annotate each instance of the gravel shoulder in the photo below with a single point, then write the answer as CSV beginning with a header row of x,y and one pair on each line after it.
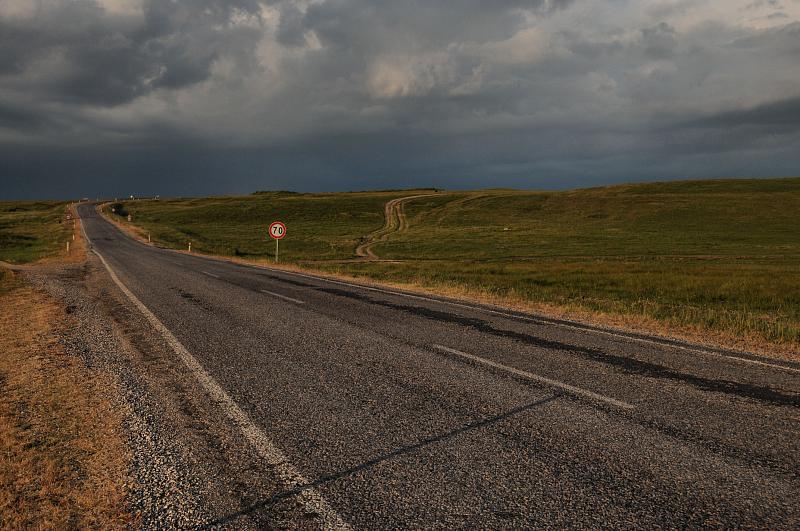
x,y
63,456
188,466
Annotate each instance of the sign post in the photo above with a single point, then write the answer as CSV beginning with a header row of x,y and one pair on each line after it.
x,y
277,231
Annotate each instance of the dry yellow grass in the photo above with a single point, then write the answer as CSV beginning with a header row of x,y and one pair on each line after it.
x,y
63,459
77,247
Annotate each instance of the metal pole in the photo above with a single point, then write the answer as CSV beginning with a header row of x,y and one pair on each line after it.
x,y
276,250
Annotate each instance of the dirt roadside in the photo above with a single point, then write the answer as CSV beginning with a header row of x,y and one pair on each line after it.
x,y
102,426
63,456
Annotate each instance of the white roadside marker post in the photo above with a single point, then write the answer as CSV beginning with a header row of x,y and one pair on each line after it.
x,y
67,247
190,247
148,237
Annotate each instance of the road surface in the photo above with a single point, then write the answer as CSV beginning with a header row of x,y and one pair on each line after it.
x,y
383,409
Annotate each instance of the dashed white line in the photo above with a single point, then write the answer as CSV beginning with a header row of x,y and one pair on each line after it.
x,y
290,299
571,389
209,274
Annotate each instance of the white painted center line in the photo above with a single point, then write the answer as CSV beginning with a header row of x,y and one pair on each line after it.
x,y
571,389
284,297
209,274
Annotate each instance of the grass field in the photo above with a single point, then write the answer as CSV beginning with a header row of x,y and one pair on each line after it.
x,y
320,226
722,256
31,230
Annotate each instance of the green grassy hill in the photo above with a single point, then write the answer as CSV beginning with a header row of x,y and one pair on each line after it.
x,y
319,226
30,230
719,255
681,218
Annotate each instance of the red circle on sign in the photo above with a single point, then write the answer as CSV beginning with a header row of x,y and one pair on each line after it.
x,y
277,230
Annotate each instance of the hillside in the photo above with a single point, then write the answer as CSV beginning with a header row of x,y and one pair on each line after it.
x,y
31,230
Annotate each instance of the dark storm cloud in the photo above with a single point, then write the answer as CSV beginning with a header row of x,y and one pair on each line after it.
x,y
80,53
353,23
777,117
660,41
210,96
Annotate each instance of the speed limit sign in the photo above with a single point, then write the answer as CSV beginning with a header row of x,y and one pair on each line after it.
x,y
277,230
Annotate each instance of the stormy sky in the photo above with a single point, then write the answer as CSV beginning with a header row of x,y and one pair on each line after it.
x,y
197,97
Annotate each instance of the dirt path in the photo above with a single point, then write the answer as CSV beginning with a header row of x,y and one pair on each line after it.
x,y
396,221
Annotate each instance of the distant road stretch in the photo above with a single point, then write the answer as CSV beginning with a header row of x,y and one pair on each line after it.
x,y
383,409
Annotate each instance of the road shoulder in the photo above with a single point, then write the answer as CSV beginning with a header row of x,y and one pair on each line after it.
x,y
102,426
63,458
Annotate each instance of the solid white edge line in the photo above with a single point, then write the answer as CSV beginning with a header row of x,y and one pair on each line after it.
x,y
540,321
312,501
571,389
290,299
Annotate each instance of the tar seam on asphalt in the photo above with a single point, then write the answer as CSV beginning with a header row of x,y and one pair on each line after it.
x,y
623,363
538,320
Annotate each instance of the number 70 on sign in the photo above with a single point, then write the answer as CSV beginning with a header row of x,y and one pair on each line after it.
x,y
277,231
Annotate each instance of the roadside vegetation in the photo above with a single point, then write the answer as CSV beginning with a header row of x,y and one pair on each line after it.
x,y
320,226
714,259
63,458
32,230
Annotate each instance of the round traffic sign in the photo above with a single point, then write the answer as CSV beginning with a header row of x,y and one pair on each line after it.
x,y
277,230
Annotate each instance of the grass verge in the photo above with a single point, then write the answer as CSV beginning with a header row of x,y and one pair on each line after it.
x,y
33,230
63,459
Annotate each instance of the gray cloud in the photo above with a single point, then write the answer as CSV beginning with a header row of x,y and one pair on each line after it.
x,y
777,117
76,52
358,94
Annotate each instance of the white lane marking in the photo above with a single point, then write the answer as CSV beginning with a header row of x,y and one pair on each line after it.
x,y
571,389
542,322
312,501
282,296
209,274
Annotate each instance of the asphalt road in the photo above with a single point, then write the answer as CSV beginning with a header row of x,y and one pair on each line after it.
x,y
396,410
